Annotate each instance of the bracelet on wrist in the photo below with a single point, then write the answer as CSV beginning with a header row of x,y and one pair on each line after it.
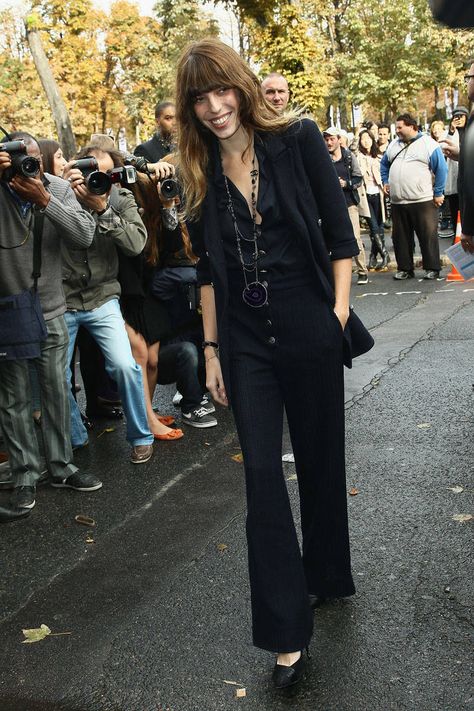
x,y
211,344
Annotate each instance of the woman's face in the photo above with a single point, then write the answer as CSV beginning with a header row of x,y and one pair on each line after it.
x,y
219,111
366,141
59,162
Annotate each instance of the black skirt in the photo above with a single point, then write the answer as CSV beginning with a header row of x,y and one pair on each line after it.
x,y
147,316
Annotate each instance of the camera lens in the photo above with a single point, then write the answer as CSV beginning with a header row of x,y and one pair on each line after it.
x,y
98,183
169,188
29,166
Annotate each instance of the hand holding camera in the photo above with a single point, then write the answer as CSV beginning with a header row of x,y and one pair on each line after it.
x,y
22,172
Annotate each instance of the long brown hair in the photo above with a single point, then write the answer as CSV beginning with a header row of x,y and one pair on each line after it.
x,y
203,66
150,208
48,148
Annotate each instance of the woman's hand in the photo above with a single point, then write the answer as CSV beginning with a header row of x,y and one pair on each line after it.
x,y
214,380
342,315
161,170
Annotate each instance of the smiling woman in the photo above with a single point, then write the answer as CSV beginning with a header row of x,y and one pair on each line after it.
x,y
269,223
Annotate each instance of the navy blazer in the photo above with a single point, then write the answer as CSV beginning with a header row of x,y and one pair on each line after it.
x,y
312,201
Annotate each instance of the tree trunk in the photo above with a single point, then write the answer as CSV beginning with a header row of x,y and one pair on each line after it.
x,y
58,108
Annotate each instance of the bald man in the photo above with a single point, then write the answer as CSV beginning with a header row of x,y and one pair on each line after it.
x,y
275,90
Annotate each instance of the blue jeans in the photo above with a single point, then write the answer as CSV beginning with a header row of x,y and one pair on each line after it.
x,y
106,326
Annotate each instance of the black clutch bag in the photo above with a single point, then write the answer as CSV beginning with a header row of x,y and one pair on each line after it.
x,y
357,339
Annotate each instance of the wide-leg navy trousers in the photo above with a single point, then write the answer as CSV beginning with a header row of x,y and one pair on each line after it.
x,y
288,356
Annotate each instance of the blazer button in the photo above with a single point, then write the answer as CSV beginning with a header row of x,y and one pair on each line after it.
x,y
207,254
269,323
271,341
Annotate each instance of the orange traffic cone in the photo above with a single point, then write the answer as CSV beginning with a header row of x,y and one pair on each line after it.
x,y
454,275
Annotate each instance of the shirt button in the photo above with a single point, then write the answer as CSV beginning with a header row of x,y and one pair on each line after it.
x,y
271,341
261,252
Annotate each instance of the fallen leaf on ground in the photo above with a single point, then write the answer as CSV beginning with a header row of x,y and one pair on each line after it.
x,y
39,633
293,477
234,683
456,489
290,457
107,429
238,457
240,693
353,491
221,547
36,634
208,444
89,539
462,518
424,425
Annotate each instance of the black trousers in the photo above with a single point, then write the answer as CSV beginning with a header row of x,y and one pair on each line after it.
x,y
422,218
288,355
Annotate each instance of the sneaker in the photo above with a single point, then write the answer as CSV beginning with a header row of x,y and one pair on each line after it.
x,y
207,404
362,279
23,497
199,418
431,274
401,276
177,398
79,481
141,453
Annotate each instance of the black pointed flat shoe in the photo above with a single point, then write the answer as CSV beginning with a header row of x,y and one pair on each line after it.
x,y
284,676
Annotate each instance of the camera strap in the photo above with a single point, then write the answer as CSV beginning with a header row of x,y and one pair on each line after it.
x,y
37,241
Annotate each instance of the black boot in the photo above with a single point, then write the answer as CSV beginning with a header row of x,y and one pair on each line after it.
x,y
380,241
373,255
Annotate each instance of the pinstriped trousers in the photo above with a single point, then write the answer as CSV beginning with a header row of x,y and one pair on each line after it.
x,y
16,410
288,356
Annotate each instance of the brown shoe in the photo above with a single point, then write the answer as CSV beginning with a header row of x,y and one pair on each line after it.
x,y
141,453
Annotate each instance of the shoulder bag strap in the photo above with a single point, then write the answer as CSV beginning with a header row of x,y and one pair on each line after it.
x,y
37,240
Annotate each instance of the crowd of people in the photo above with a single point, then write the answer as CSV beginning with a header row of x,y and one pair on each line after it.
x,y
222,264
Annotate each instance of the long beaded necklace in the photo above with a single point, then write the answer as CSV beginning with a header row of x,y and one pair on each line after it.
x,y
255,293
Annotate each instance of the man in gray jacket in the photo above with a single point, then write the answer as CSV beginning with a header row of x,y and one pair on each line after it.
x,y
92,294
65,222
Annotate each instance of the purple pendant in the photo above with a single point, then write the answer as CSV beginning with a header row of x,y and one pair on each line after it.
x,y
255,295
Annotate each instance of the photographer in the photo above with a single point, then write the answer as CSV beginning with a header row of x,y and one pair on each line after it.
x,y
169,275
24,203
163,140
92,292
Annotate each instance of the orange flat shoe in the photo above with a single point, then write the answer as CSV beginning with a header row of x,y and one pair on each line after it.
x,y
171,435
166,420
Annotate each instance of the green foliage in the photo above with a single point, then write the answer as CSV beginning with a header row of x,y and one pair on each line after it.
x,y
289,45
111,69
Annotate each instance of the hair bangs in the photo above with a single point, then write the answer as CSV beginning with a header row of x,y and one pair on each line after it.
x,y
203,74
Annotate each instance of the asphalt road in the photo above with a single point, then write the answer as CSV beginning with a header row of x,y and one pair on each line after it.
x,y
155,596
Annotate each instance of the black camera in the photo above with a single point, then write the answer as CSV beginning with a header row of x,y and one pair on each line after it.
x,y
97,182
169,188
22,163
139,162
125,175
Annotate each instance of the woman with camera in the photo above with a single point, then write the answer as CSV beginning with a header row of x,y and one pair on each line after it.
x,y
269,223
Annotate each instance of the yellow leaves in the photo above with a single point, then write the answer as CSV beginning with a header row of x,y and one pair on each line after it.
x,y
353,491
424,425
463,518
106,431
239,458
222,547
37,634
